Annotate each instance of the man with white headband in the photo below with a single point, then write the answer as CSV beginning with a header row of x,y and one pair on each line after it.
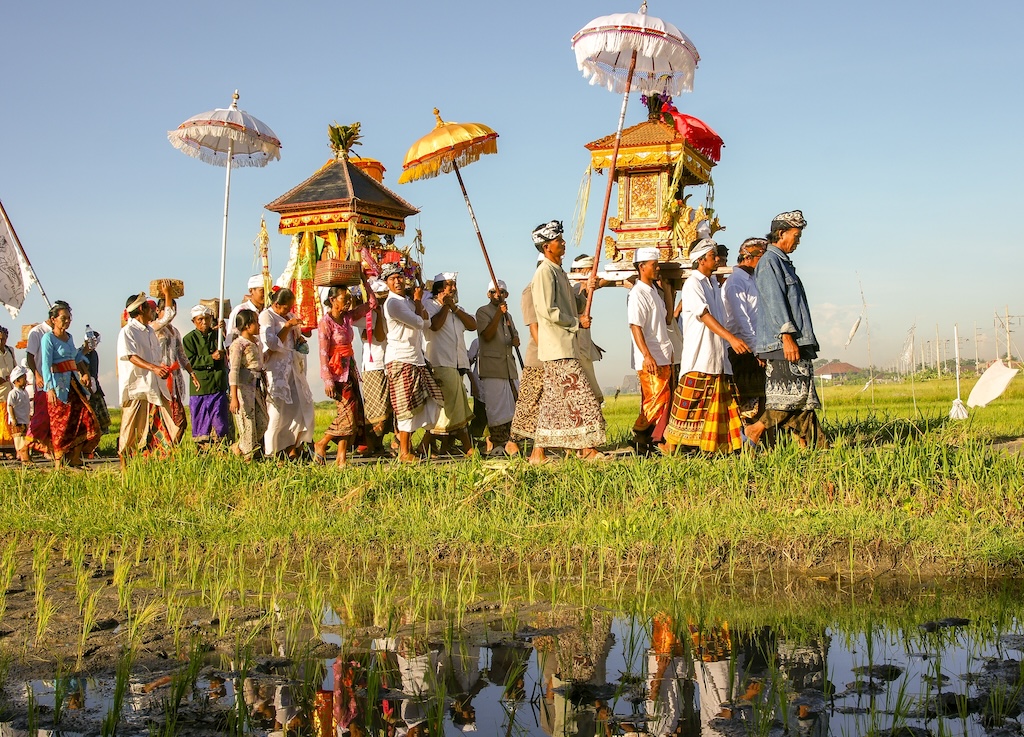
x,y
569,415
496,367
651,356
704,415
415,397
255,300
785,338
446,353
208,399
146,421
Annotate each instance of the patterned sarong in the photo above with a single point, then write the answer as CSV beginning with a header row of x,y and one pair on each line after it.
x,y
748,374
211,417
252,419
410,387
99,408
455,412
148,429
524,420
655,401
39,424
348,416
789,386
569,415
376,402
73,425
704,414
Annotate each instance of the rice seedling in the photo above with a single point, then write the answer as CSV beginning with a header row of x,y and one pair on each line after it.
x,y
122,675
32,709
88,622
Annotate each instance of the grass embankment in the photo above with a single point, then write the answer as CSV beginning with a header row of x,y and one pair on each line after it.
x,y
917,495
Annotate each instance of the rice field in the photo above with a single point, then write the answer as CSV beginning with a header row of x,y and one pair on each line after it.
x,y
200,594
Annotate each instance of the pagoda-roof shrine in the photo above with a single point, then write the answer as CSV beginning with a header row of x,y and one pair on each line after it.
x,y
340,193
657,159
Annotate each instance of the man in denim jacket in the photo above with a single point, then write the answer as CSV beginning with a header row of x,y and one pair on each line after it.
x,y
785,338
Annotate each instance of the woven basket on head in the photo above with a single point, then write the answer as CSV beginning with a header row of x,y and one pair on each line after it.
x,y
177,288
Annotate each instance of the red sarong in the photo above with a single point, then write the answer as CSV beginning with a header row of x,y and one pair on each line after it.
x,y
73,424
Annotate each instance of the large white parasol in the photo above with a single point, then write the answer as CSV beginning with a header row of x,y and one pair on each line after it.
x,y
226,137
632,52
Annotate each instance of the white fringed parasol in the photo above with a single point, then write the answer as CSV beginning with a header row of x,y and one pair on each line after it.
x,y
231,138
632,52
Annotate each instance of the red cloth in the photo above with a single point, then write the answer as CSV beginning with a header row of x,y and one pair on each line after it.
x,y
696,132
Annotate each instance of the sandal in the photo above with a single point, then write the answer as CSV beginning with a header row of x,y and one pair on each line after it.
x,y
595,455
319,460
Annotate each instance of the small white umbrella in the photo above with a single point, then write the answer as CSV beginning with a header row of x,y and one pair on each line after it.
x,y
231,138
632,52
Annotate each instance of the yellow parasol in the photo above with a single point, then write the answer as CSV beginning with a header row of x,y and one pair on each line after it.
x,y
445,149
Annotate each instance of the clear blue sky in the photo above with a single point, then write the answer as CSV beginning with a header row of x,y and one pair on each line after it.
x,y
895,127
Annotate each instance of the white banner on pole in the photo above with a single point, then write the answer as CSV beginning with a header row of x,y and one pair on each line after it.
x,y
16,275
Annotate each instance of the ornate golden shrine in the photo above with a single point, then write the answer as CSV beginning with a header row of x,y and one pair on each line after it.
x,y
656,161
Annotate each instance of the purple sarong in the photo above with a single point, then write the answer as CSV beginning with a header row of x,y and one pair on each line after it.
x,y
210,417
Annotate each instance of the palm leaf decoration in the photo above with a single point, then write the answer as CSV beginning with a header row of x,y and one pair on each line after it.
x,y
343,138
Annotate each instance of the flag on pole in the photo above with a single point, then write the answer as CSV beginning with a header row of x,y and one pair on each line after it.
x,y
16,275
908,347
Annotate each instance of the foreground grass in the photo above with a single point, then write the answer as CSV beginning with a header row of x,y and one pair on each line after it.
x,y
918,495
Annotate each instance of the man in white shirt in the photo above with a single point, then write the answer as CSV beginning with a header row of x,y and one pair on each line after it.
x,y
651,356
255,300
415,397
146,420
446,352
740,296
704,415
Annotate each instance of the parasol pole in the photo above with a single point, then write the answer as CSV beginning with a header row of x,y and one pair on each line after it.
x,y
611,179
224,244
21,249
483,248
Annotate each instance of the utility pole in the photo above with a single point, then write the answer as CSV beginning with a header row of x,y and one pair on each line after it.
x,y
977,359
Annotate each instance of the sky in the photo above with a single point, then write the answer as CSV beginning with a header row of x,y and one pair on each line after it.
x,y
894,127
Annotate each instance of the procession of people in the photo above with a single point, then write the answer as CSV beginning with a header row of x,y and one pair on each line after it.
x,y
726,365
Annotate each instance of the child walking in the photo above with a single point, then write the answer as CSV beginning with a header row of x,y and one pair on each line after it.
x,y
248,391
19,412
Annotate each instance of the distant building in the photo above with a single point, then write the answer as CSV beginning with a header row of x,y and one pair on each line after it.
x,y
836,370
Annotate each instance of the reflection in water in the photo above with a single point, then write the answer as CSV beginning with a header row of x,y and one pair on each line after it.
x,y
585,673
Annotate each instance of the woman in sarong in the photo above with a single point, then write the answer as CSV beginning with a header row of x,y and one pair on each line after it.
x,y
376,401
248,401
7,364
289,400
338,370
73,427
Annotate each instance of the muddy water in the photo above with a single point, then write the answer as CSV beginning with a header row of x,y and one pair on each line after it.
x,y
917,659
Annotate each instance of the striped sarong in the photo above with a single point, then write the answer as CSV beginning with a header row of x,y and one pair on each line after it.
x,y
376,402
704,414
410,387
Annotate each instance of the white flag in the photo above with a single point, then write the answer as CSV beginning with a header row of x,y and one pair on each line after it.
x,y
15,273
908,347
